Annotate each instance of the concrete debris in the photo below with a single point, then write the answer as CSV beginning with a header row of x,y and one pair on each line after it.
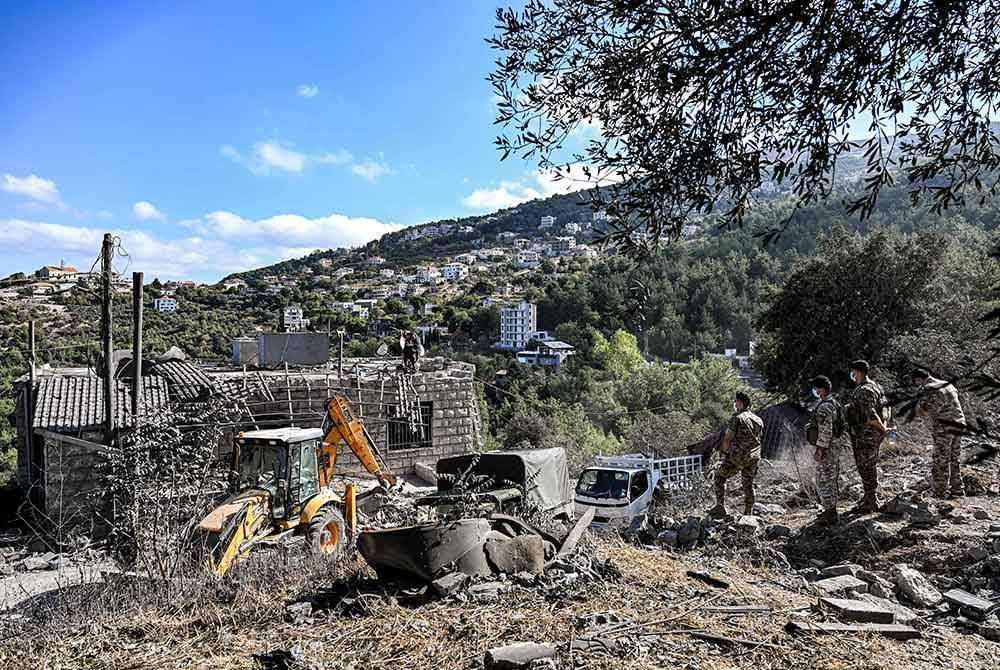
x,y
711,580
990,629
486,592
968,604
450,583
777,531
768,509
980,514
843,569
840,586
890,630
901,614
518,656
667,539
299,613
598,619
916,588
859,611
510,555
748,524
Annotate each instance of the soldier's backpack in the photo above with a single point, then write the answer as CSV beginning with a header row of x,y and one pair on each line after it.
x,y
839,422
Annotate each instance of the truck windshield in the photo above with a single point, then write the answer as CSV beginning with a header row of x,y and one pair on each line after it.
x,y
261,467
596,483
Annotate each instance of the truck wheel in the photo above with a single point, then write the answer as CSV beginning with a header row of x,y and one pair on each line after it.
x,y
327,532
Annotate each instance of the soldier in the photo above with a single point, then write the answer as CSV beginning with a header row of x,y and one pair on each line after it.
x,y
867,428
827,420
938,402
740,454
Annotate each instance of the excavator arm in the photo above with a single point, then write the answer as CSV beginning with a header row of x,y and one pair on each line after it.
x,y
345,425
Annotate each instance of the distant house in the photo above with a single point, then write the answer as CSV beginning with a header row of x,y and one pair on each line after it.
x,y
43,288
454,271
466,230
428,274
549,353
56,272
546,222
387,272
343,272
375,261
506,235
562,246
468,259
234,284
572,228
527,259
165,304
325,262
381,292
292,319
522,243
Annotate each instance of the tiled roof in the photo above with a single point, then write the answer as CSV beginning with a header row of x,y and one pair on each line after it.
x,y
75,402
186,382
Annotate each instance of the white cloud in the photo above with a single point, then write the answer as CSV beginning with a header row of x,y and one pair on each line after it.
x,y
273,156
372,170
104,215
217,244
508,194
32,186
512,193
147,211
338,157
308,90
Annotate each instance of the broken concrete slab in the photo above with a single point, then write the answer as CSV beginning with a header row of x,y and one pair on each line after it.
x,y
858,611
840,586
890,630
450,583
915,587
425,473
486,592
748,524
968,604
517,656
510,555
842,569
711,580
901,614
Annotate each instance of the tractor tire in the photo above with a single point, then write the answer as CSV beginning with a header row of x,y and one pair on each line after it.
x,y
327,533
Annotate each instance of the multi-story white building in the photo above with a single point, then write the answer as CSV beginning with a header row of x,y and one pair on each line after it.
x,y
234,284
466,230
375,261
325,262
522,243
517,325
506,236
527,259
562,246
343,272
428,274
546,222
454,271
572,228
468,259
292,319
165,304
387,272
381,292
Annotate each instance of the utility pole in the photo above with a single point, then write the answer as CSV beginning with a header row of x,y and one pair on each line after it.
x,y
107,347
136,347
340,356
34,465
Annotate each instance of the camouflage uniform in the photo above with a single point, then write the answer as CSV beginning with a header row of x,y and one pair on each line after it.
x,y
865,405
828,467
940,404
743,456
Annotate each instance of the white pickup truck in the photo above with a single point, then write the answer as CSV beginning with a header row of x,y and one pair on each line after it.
x,y
621,487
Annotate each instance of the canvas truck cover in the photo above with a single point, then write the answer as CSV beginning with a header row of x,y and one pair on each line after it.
x,y
543,473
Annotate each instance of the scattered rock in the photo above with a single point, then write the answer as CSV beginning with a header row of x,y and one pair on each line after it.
x,y
916,588
840,586
842,569
766,509
968,604
859,611
450,583
976,554
518,656
38,562
598,619
810,574
690,532
282,659
980,514
748,524
990,629
777,531
903,615
667,539
588,644
879,532
299,613
510,555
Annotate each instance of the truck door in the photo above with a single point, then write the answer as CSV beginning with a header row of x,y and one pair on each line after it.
x,y
638,493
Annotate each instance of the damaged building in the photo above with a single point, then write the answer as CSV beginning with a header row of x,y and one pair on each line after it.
x,y
412,418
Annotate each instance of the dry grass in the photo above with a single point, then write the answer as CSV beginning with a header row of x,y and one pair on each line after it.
x,y
222,627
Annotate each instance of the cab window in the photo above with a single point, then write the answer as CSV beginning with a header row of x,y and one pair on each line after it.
x,y
603,484
308,476
639,486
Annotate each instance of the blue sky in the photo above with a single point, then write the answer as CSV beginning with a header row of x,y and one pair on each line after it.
x,y
215,137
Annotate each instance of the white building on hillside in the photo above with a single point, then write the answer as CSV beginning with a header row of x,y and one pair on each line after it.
x,y
562,246
428,274
165,304
527,259
375,261
517,325
522,243
454,271
572,228
506,236
546,222
292,319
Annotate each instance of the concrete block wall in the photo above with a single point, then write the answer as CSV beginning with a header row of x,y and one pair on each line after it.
x,y
71,478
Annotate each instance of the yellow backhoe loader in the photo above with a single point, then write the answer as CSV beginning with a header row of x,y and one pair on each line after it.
x,y
284,487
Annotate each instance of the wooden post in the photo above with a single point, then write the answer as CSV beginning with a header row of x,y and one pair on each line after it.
x,y
34,463
107,346
136,347
340,357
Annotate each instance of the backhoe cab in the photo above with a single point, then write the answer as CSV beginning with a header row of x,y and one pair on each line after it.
x,y
282,484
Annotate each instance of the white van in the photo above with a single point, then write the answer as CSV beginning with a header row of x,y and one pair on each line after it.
x,y
621,487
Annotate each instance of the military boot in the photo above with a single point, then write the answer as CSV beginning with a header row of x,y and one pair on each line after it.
x,y
828,518
868,504
718,512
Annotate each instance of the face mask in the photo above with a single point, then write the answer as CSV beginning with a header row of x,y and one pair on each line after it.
x,y
854,377
736,408
815,393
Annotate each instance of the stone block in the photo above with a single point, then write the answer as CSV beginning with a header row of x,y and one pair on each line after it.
x,y
518,656
839,586
860,611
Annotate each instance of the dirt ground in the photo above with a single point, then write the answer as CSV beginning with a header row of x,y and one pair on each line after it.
x,y
659,609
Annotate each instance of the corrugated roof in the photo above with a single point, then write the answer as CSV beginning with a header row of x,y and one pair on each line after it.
x,y
65,403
